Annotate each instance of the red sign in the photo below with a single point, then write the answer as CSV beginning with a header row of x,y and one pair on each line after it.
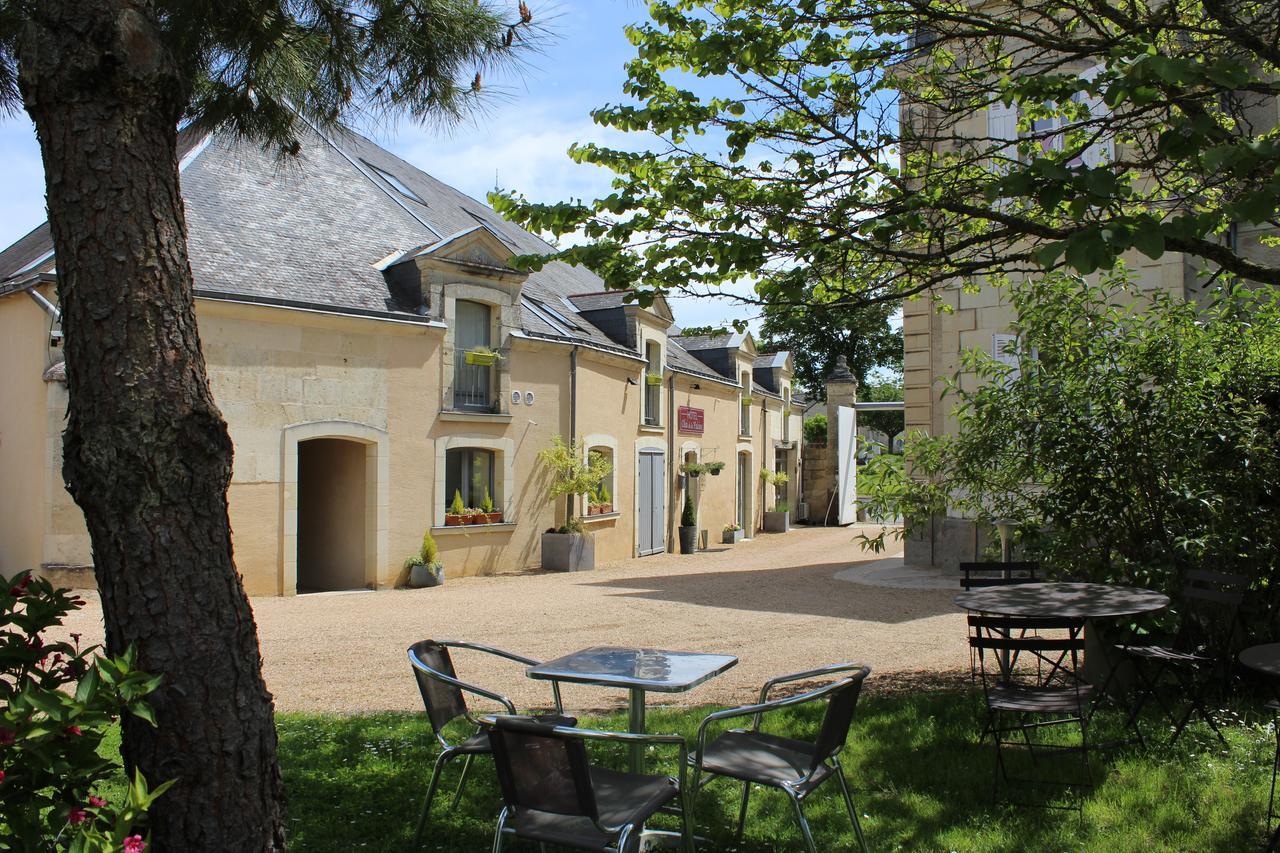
x,y
690,419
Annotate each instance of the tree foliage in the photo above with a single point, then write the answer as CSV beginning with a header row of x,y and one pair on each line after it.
x,y
1139,436
780,153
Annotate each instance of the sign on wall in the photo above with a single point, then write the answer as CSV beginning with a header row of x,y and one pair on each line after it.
x,y
690,419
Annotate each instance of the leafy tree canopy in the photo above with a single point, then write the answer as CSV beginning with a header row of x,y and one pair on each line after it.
x,y
780,154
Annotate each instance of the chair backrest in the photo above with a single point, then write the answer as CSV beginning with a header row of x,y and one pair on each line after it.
x,y
1007,637
542,770
998,574
841,702
444,701
1210,609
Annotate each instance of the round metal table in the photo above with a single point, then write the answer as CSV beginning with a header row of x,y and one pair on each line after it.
x,y
1265,659
1066,600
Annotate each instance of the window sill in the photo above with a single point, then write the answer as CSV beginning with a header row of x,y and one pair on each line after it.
x,y
475,417
744,436
603,516
654,428
462,529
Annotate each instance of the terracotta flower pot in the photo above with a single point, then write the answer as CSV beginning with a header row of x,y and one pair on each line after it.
x,y
493,518
454,520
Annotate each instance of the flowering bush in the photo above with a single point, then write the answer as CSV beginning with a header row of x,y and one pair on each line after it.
x,y
57,703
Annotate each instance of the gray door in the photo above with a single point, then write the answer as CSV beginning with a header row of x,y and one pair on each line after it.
x,y
652,503
744,484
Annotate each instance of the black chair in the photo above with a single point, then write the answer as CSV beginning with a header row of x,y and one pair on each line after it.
x,y
554,795
977,575
1021,702
795,767
443,695
985,574
1198,654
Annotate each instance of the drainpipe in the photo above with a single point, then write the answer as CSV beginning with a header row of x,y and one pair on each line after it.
x,y
573,415
671,454
49,307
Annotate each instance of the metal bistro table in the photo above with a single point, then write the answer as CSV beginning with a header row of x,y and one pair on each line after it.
x,y
1082,601
1265,659
638,670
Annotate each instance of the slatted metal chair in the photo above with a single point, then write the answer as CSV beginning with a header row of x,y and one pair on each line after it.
x,y
552,793
983,574
795,767
444,696
1021,702
1199,653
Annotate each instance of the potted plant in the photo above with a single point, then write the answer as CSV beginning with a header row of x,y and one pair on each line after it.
x,y
456,514
778,519
602,502
474,515
568,548
688,525
424,568
732,534
482,357
491,515
693,469
714,469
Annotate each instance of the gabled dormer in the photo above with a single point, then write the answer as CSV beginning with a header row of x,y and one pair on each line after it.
x,y
772,371
622,321
466,281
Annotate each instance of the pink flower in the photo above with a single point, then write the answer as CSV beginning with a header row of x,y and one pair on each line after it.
x,y
96,802
21,586
77,815
74,731
6,737
1,775
134,844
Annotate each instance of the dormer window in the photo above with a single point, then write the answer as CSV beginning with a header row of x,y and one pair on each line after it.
x,y
652,383
475,363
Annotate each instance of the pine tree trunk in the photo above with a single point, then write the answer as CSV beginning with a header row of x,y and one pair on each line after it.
x,y
147,455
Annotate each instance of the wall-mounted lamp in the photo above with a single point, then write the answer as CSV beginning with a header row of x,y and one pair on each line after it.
x,y
696,386
631,380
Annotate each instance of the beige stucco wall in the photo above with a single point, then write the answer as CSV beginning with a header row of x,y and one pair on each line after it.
x,y
24,353
282,377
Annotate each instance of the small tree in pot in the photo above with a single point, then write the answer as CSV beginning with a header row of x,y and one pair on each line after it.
x,y
688,525
424,567
569,548
778,519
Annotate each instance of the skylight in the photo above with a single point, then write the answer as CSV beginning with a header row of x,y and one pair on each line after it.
x,y
551,316
395,183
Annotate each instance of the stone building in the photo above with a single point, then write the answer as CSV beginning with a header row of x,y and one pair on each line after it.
x,y
375,352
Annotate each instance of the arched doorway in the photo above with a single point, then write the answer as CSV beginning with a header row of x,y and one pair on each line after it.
x,y
332,515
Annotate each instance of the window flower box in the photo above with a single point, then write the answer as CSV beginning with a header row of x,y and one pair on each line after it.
x,y
652,379
599,509
493,517
746,400
481,357
451,520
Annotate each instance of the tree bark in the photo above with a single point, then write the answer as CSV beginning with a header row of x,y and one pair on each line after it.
x,y
147,455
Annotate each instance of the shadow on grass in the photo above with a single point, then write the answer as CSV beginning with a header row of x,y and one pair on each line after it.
x,y
921,781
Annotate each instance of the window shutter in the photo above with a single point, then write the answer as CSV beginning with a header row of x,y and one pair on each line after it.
x,y
1104,150
1002,124
1004,349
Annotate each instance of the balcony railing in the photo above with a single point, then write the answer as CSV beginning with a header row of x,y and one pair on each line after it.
x,y
472,385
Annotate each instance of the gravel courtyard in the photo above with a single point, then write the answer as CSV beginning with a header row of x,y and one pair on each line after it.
x,y
774,602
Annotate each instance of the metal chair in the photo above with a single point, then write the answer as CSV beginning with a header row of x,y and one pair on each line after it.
x,y
444,699
1034,701
1199,652
795,767
985,574
554,795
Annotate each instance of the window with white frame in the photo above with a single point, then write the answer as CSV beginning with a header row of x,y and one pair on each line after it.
x,y
744,396
469,477
652,383
603,501
1051,130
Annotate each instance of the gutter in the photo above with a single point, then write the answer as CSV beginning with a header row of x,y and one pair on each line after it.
x,y
49,307
671,454
573,414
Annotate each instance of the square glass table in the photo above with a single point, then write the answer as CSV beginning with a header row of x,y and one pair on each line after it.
x,y
638,670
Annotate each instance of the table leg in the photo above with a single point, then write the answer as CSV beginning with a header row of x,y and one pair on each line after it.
x,y
635,724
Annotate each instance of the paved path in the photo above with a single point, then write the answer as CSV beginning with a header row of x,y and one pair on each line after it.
x,y
775,602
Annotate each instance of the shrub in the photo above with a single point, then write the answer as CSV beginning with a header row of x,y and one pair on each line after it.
x,y
815,430
59,702
457,507
689,517
1139,435
571,474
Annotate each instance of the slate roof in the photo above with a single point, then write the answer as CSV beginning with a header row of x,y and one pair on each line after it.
x,y
307,232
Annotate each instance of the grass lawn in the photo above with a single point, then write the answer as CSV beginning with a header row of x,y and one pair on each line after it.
x,y
920,779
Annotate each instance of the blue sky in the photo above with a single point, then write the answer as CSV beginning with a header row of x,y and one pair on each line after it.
x,y
519,141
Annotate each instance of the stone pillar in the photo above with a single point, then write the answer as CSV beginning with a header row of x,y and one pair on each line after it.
x,y
842,390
